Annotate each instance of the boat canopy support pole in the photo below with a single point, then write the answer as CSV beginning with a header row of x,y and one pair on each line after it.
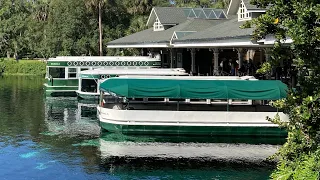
x,y
193,61
228,105
178,105
172,62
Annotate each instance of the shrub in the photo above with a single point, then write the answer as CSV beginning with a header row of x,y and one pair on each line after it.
x,y
23,67
304,167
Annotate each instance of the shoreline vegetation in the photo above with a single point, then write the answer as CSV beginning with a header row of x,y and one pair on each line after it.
x,y
22,67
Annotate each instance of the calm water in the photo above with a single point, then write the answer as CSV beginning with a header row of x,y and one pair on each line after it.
x,y
59,138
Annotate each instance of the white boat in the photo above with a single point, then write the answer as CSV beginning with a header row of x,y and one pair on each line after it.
x,y
191,106
90,80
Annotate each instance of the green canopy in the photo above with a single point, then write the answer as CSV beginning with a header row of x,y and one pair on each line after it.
x,y
195,88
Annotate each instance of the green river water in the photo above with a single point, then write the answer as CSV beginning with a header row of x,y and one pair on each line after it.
x,y
59,138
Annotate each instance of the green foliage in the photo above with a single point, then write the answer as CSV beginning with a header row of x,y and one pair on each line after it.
x,y
265,68
2,65
298,20
48,28
23,67
304,167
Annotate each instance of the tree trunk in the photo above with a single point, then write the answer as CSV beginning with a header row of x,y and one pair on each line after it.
x,y
100,30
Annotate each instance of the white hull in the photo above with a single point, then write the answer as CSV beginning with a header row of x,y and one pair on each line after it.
x,y
87,95
187,118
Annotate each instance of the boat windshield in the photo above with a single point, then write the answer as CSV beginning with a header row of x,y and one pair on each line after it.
x,y
56,72
89,85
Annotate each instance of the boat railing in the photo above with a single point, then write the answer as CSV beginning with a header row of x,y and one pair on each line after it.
x,y
190,101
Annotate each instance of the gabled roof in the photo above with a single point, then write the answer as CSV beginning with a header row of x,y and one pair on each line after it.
x,y
163,38
226,29
174,15
234,6
203,26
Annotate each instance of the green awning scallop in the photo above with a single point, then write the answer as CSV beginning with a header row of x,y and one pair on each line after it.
x,y
196,88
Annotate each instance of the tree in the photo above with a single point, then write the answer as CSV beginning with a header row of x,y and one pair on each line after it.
x,y
14,17
68,23
98,5
299,21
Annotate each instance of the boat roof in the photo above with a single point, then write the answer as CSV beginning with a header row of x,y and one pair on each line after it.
x,y
103,58
151,71
192,77
194,88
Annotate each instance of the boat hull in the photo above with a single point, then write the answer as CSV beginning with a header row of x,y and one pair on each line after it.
x,y
86,95
185,123
193,130
55,91
61,87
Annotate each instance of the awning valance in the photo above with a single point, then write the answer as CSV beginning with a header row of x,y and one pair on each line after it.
x,y
195,88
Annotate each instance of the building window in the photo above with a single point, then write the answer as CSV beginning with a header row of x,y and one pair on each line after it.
x,y
72,73
157,26
242,13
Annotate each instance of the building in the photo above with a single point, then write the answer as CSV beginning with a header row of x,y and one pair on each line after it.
x,y
203,41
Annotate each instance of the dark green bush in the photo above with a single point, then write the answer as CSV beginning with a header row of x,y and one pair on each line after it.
x,y
304,167
23,67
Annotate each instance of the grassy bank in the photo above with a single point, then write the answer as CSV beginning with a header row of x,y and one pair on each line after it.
x,y
22,67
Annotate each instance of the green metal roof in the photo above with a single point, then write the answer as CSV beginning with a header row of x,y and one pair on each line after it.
x,y
196,88
226,29
174,15
156,37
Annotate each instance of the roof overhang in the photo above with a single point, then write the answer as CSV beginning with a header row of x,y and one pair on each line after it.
x,y
238,41
159,45
245,43
270,39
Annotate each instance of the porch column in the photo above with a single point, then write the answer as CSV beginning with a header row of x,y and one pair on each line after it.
x,y
193,61
216,61
240,56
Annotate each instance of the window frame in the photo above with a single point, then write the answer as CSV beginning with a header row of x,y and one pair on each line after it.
x,y
73,73
243,14
157,26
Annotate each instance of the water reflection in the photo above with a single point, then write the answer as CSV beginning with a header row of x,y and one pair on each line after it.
x,y
147,158
67,116
42,138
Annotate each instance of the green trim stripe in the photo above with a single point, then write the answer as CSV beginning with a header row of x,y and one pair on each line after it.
x,y
103,63
193,130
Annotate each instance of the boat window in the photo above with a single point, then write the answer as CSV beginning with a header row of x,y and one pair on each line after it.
x,y
56,72
72,73
88,85
83,69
